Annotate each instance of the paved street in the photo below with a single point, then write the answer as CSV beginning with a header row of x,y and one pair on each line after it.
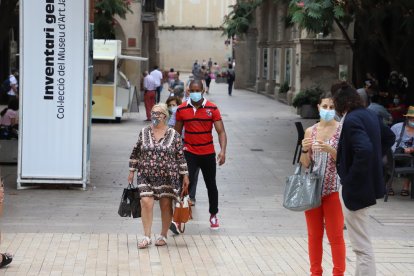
x,y
57,230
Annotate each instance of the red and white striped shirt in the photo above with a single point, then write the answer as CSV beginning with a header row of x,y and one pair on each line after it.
x,y
198,124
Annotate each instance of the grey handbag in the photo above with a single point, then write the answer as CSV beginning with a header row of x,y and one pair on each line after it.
x,y
302,191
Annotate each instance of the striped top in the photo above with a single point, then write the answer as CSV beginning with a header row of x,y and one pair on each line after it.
x,y
324,163
198,124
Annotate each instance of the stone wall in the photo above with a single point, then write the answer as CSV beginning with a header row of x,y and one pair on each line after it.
x,y
288,54
179,48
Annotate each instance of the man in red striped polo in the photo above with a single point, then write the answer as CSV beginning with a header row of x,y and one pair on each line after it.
x,y
197,116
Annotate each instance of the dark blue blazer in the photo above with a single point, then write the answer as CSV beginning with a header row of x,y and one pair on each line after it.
x,y
363,142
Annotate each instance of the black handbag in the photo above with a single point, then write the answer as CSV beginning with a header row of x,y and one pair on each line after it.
x,y
130,202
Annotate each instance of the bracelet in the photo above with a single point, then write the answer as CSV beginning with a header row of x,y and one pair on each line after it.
x,y
304,151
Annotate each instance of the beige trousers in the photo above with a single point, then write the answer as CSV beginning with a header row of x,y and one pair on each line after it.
x,y
357,224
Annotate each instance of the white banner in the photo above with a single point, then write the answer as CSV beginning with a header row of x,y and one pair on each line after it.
x,y
52,88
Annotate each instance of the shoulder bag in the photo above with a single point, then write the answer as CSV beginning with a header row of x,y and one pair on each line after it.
x,y
302,191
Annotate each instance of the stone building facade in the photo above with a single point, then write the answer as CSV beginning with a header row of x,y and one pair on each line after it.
x,y
285,54
190,30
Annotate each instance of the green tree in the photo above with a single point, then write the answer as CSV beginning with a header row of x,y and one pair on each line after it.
x,y
237,22
387,26
105,10
383,27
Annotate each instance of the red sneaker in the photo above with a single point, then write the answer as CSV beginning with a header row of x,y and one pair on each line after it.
x,y
214,224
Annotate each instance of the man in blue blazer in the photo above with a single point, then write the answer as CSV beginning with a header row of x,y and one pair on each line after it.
x,y
362,144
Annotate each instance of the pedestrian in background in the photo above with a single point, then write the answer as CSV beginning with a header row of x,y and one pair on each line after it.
x,y
177,87
380,110
405,130
197,116
363,143
172,103
158,77
14,86
319,149
161,172
150,87
208,80
9,120
231,77
171,77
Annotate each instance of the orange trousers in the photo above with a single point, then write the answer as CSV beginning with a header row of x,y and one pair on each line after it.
x,y
330,215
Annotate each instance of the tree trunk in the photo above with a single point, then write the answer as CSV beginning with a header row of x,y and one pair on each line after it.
x,y
345,34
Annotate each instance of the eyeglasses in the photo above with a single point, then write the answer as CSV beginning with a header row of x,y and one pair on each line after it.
x,y
156,113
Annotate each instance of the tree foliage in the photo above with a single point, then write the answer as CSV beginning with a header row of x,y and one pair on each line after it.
x,y
318,16
105,10
238,21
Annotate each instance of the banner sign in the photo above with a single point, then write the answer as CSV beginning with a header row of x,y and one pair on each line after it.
x,y
52,88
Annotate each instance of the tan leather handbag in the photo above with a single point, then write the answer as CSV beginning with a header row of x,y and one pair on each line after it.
x,y
182,211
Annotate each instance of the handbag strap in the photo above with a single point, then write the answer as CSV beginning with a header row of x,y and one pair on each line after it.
x,y
401,135
298,169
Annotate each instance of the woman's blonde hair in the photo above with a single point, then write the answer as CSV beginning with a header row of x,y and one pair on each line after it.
x,y
164,109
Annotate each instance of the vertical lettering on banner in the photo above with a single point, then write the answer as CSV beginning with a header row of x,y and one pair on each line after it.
x,y
55,54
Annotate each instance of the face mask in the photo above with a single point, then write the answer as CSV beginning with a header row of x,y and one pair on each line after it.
x,y
173,109
327,115
411,124
155,121
396,101
196,96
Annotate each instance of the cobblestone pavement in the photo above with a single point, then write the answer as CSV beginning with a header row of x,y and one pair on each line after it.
x,y
56,230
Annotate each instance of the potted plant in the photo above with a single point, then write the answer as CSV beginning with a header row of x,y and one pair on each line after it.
x,y
306,102
284,88
282,92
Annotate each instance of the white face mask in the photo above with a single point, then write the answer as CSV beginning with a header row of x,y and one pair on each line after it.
x,y
173,109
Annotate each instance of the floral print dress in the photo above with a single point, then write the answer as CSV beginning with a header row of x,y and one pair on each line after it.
x,y
159,164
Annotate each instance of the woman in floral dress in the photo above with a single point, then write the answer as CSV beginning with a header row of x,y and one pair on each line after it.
x,y
161,170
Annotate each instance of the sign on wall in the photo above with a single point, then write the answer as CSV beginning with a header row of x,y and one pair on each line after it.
x,y
52,88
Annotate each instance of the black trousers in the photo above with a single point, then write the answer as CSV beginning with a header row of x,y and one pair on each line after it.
x,y
207,164
230,84
158,94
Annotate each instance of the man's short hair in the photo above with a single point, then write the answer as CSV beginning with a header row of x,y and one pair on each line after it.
x,y
197,82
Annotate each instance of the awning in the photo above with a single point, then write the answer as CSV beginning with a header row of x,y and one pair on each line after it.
x,y
104,57
133,58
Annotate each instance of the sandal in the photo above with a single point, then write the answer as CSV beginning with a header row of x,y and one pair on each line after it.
x,y
7,259
144,243
404,192
391,192
161,241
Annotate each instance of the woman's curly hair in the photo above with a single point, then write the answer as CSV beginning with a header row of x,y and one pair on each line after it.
x,y
347,99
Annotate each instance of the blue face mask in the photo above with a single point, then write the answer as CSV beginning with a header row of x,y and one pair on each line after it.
x,y
195,96
173,109
327,115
